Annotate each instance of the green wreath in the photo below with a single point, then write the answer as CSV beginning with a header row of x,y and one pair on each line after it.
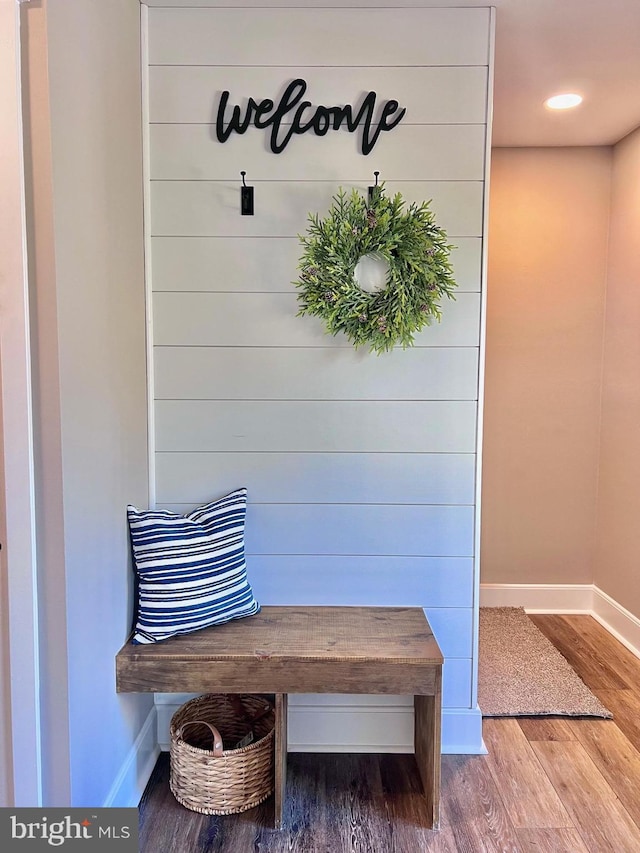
x,y
419,270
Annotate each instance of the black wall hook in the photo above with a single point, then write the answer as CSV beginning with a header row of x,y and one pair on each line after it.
x,y
371,189
246,198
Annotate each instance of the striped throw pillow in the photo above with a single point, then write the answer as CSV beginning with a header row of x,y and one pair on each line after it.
x,y
191,570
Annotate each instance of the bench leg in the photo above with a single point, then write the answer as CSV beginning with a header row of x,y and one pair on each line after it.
x,y
428,710
280,785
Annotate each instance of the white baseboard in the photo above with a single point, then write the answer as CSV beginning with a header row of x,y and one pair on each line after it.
x,y
350,724
462,732
377,728
617,620
568,598
356,724
129,784
542,598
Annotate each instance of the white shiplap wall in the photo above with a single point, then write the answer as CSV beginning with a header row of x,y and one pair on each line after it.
x,y
361,469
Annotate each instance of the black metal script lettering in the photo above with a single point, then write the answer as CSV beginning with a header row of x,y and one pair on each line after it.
x,y
320,119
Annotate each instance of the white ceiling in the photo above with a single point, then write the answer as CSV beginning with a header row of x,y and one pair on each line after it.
x,y
591,47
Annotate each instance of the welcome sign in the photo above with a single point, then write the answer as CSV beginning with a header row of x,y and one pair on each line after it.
x,y
302,116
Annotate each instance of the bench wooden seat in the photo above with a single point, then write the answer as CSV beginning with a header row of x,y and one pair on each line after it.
x,y
284,650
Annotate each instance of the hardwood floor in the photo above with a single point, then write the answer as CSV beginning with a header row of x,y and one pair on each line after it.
x,y
547,784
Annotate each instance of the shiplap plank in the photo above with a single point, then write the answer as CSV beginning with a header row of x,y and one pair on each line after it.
x,y
212,208
349,427
443,152
457,679
255,373
420,478
453,629
361,581
431,95
262,264
343,37
389,700
361,475
270,320
357,529
349,700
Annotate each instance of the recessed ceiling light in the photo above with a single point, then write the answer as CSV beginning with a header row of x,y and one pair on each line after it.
x,y
563,102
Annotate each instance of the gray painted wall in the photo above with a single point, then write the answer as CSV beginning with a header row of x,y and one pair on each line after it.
x,y
99,315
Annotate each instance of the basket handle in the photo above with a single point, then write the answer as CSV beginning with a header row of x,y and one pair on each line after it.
x,y
218,748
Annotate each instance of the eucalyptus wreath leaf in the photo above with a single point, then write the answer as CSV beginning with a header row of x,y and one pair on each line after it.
x,y
407,238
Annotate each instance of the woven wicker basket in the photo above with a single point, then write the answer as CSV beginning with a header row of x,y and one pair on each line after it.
x,y
209,773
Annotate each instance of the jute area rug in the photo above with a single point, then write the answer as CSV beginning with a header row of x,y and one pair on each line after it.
x,y
521,673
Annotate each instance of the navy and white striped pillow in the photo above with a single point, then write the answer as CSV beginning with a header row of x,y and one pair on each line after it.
x,y
191,568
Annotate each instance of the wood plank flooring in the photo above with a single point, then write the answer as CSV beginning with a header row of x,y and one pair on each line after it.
x,y
547,784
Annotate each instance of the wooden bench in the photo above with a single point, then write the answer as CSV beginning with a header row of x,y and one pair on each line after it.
x,y
284,650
